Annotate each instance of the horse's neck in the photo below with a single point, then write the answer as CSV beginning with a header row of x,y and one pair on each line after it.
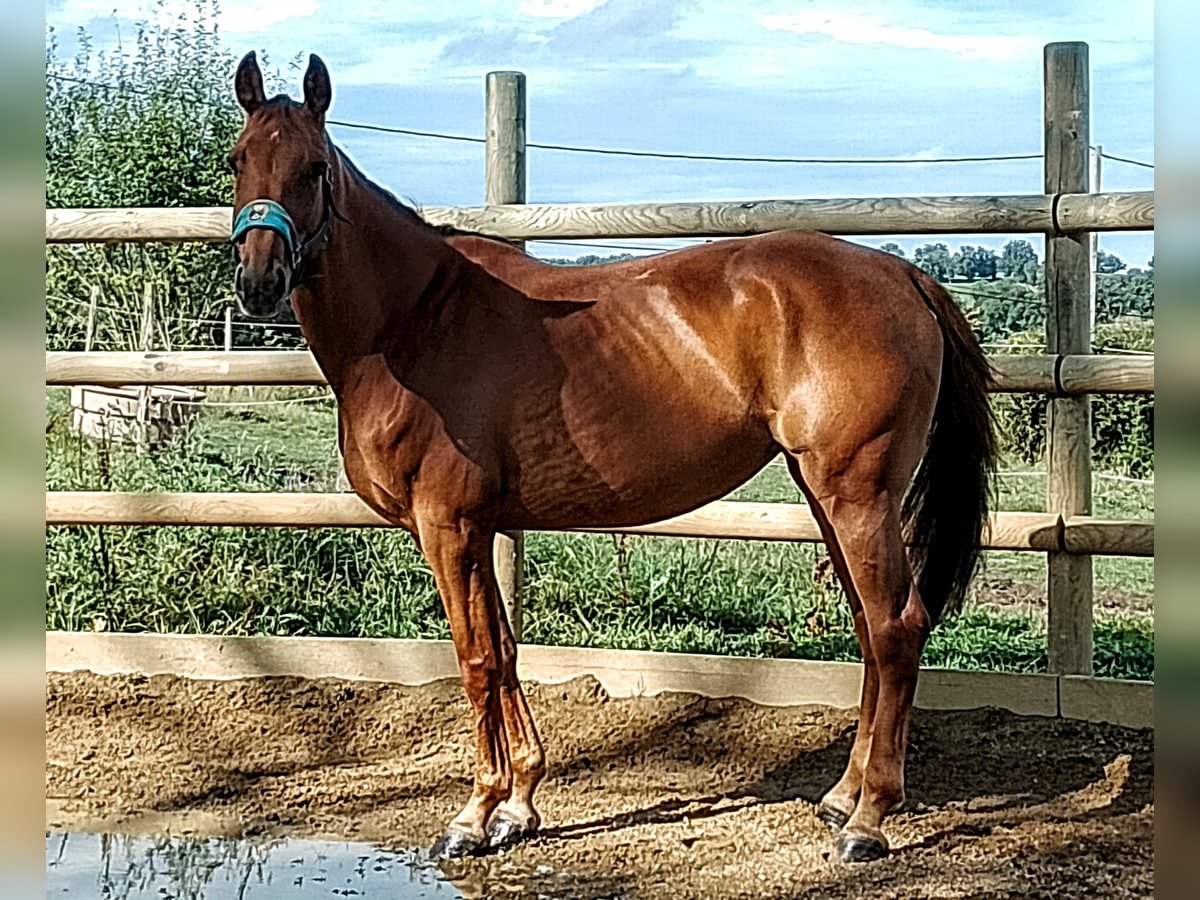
x,y
373,283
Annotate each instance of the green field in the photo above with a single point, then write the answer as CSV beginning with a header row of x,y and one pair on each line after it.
x,y
731,597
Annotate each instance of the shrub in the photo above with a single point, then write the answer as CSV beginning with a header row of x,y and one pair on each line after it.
x,y
149,125
1122,424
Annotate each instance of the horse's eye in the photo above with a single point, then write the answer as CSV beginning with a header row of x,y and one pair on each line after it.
x,y
231,163
317,170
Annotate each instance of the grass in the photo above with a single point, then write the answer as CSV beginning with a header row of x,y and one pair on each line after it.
x,y
730,597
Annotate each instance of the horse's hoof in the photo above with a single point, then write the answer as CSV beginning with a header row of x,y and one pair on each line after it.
x,y
456,844
854,848
504,831
834,818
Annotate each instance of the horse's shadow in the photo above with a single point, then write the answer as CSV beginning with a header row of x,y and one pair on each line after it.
x,y
987,761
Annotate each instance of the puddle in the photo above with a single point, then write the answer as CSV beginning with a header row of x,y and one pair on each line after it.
x,y
117,867
110,866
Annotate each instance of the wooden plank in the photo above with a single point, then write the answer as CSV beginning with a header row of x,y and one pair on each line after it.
x,y
1025,694
213,658
1026,373
1070,298
969,214
724,519
504,182
1128,703
622,673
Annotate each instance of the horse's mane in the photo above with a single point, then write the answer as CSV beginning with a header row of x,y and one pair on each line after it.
x,y
411,213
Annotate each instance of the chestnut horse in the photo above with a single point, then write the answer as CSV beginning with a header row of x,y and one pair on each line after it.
x,y
480,390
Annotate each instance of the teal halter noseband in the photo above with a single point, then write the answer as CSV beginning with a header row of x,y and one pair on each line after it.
x,y
269,215
272,216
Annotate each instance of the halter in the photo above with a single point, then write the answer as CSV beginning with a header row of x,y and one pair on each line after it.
x,y
270,215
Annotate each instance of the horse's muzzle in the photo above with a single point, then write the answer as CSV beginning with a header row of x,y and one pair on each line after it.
x,y
262,290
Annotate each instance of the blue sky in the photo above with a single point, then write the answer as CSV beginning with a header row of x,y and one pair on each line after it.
x,y
904,78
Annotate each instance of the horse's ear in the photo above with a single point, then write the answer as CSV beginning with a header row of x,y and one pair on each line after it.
x,y
248,84
317,91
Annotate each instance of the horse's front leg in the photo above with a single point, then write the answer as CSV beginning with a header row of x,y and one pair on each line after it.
x,y
459,552
516,817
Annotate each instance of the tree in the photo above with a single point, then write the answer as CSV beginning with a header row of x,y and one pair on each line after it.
x,y
936,260
972,263
1018,260
1108,263
1003,308
147,126
894,249
588,259
1125,295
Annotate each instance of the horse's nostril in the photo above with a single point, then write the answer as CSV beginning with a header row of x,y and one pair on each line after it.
x,y
282,280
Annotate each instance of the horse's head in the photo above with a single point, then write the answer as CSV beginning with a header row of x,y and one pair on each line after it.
x,y
282,197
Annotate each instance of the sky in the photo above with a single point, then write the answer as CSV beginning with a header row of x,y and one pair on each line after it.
x,y
910,79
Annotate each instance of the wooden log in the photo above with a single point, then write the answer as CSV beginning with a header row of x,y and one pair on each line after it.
x,y
970,214
1134,210
282,367
1015,374
1108,537
1105,374
1033,373
1070,298
504,183
724,519
138,224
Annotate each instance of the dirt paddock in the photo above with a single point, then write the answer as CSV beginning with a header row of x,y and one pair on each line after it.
x,y
670,796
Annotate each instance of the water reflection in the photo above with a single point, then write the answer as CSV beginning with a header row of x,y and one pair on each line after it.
x,y
122,867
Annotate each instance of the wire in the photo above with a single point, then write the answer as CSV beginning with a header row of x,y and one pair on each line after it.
x,y
804,160
1125,159
112,310
611,151
270,402
712,157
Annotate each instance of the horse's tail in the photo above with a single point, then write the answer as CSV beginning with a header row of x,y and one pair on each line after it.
x,y
946,507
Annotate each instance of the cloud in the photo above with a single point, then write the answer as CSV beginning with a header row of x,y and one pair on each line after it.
x,y
639,32
242,18
858,28
248,18
556,9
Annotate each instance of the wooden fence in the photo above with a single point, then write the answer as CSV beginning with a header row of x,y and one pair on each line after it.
x,y
1066,213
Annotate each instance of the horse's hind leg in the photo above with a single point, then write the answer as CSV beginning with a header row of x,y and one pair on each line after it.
x,y
838,804
859,494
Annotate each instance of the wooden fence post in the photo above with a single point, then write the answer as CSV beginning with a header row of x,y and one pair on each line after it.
x,y
1070,301
505,183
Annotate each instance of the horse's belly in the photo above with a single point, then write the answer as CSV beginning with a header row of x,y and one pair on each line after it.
x,y
635,477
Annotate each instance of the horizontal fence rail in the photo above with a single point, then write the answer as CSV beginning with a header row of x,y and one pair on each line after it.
x,y
1011,214
1034,373
724,519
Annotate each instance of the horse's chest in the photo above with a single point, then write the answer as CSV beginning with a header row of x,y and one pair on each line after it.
x,y
381,459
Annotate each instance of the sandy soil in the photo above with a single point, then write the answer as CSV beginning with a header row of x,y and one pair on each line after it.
x,y
673,796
